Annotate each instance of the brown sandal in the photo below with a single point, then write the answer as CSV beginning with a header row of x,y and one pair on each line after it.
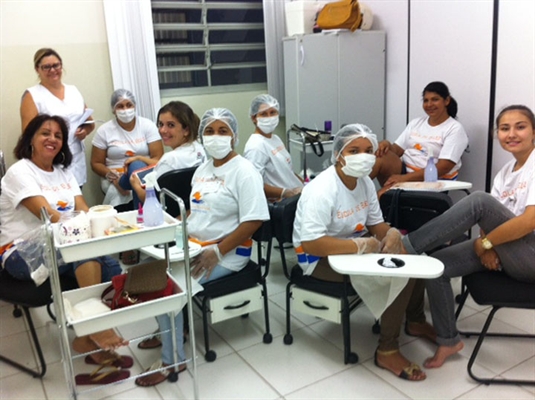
x,y
408,373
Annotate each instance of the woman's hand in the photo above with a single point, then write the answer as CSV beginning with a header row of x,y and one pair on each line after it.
x,y
205,262
81,132
490,260
391,243
395,179
130,160
367,245
383,148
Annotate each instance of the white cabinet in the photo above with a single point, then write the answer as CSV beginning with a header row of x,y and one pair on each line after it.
x,y
337,76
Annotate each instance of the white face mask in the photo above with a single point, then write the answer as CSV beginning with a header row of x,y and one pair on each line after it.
x,y
358,165
217,146
127,115
267,124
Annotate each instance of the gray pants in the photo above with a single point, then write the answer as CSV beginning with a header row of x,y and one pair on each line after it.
x,y
484,210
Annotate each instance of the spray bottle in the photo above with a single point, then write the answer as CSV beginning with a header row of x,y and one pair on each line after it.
x,y
430,173
152,209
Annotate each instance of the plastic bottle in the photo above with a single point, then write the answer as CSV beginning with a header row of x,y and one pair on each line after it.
x,y
152,209
430,173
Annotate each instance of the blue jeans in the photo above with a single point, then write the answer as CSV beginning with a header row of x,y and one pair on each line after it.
x,y
164,323
124,180
17,267
484,210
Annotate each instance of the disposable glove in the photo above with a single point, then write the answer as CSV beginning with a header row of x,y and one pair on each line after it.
x,y
291,192
391,243
367,245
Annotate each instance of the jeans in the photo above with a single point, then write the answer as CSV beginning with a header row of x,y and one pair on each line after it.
x,y
124,180
164,323
484,210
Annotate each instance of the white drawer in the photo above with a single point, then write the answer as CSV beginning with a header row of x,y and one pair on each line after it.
x,y
318,305
235,304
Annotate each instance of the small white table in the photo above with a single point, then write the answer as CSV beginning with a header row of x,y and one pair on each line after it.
x,y
415,266
175,254
446,186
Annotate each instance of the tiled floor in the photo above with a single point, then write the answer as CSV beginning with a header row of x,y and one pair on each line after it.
x,y
311,368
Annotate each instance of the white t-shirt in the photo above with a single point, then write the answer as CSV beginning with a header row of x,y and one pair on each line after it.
x,y
328,208
272,160
24,179
117,142
71,108
221,199
188,155
446,141
516,189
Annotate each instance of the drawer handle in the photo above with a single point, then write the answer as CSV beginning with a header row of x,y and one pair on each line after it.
x,y
308,304
238,306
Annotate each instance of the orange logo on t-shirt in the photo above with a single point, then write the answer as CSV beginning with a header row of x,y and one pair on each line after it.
x,y
197,198
129,153
359,228
418,146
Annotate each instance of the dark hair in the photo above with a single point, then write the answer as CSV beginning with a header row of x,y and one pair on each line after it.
x,y
520,108
23,149
442,90
42,53
185,115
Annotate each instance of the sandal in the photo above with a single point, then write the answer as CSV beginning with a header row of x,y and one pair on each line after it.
x,y
422,330
161,373
130,257
115,360
410,373
102,378
150,343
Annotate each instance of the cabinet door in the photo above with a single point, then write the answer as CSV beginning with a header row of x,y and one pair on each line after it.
x,y
362,79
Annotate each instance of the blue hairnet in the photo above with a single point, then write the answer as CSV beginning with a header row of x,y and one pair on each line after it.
x,y
122,94
219,114
263,102
349,133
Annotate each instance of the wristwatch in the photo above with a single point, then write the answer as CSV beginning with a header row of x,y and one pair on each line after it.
x,y
487,245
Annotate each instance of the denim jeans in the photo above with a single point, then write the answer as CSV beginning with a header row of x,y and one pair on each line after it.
x,y
124,180
164,323
484,210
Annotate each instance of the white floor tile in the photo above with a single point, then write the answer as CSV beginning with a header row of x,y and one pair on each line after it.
x,y
495,392
17,386
16,347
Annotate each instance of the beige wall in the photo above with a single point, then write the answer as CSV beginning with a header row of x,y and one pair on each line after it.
x,y
76,29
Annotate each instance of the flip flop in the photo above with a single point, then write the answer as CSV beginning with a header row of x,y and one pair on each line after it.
x,y
116,361
102,378
162,373
152,342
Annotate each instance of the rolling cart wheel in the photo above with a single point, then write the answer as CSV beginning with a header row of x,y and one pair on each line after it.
x,y
268,338
245,315
17,312
353,358
458,298
173,377
376,328
210,356
288,339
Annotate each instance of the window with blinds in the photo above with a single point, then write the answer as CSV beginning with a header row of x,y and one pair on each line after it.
x,y
206,45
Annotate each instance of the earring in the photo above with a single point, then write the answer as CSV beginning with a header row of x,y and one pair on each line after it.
x,y
63,158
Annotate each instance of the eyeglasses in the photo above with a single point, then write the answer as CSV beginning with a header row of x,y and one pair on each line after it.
x,y
49,67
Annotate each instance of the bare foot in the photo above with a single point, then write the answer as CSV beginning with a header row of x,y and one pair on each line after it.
x,y
442,353
108,339
396,363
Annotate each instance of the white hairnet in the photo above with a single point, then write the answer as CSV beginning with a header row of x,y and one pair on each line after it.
x,y
122,94
219,114
349,133
263,102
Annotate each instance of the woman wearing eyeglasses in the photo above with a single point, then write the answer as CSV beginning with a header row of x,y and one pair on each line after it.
x,y
51,96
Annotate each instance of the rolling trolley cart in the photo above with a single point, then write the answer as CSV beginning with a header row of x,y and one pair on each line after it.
x,y
113,244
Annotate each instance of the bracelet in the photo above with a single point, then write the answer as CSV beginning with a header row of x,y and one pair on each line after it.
x,y
218,253
282,193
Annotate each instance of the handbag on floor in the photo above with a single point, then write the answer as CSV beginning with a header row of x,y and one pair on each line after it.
x,y
141,283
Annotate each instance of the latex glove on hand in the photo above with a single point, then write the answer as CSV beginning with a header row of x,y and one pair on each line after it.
x,y
391,243
205,262
367,245
286,193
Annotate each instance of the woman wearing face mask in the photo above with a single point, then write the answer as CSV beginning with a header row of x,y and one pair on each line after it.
x,y
267,152
122,145
227,207
51,96
338,213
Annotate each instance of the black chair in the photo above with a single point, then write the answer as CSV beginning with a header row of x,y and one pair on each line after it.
x,y
239,293
25,295
333,301
178,182
496,289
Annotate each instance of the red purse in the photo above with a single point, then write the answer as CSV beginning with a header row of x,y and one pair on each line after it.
x,y
142,283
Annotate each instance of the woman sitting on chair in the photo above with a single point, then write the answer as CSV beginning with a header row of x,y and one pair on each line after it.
x,y
227,207
506,218
41,178
178,126
267,152
338,213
